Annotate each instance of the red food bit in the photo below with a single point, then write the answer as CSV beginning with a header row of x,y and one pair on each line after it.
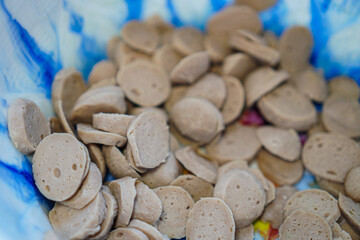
x,y
303,138
251,117
273,233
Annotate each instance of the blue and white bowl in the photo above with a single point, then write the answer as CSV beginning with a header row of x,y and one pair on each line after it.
x,y
39,37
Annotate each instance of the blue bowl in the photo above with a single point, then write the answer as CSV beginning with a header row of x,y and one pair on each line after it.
x,y
39,37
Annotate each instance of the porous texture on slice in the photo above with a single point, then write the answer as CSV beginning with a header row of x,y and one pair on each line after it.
x,y
147,206
301,224
190,68
27,125
196,164
212,219
151,232
330,155
124,191
108,99
59,166
314,200
279,171
197,187
352,183
97,157
235,99
117,164
127,233
177,203
140,36
144,83
274,212
111,213
243,193
163,174
148,137
246,233
238,142
88,134
88,189
112,122
68,86
351,210
284,143
197,119
288,108
72,223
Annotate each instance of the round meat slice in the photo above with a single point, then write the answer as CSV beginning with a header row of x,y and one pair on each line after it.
x,y
301,225
27,125
130,158
262,81
166,57
235,99
211,87
148,137
163,174
243,193
87,191
59,166
246,233
210,218
68,127
271,38
117,164
341,114
177,204
288,108
112,122
88,134
177,93
125,55
340,234
72,223
136,111
296,45
284,143
105,82
334,188
127,233
144,83
314,200
238,143
312,84
102,70
344,86
68,86
330,155
140,36
97,157
197,187
147,207
124,191
351,210
258,5
196,164
233,18
190,68
111,213
151,232
217,47
108,99
238,65
352,183
241,164
55,126
279,171
274,212
187,40
197,119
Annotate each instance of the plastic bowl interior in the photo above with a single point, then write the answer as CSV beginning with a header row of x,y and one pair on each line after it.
x,y
39,37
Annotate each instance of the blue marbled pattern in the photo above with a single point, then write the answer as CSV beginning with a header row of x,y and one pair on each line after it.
x,y
39,37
